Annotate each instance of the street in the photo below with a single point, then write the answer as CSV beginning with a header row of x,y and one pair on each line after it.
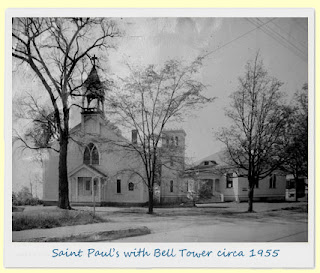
x,y
227,222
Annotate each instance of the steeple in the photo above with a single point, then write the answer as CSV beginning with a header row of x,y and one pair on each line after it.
x,y
92,101
93,98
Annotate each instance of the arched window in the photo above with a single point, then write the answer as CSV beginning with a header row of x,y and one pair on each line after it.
x,y
91,155
130,186
94,156
86,156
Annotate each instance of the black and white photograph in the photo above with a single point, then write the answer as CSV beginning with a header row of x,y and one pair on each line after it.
x,y
160,129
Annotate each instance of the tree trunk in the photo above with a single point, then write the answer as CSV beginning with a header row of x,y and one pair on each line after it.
x,y
63,202
150,210
250,196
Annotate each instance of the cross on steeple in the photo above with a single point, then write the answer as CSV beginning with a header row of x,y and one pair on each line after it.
x,y
93,60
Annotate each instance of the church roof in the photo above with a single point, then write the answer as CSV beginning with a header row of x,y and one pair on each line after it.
x,y
96,170
89,167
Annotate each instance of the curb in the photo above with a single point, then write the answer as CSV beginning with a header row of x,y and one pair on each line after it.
x,y
94,237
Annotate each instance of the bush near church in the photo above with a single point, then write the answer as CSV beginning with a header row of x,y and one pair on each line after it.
x,y
25,198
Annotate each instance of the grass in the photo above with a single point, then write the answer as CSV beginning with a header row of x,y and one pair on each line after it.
x,y
52,218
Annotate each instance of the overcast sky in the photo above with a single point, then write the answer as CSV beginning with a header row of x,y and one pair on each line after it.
x,y
282,44
230,43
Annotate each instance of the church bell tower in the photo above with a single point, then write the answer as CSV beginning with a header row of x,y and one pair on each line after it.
x,y
92,101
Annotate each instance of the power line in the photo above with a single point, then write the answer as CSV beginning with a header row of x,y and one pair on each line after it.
x,y
280,39
237,38
283,38
267,32
302,44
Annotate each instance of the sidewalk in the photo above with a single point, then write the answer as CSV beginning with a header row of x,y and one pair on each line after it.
x,y
257,206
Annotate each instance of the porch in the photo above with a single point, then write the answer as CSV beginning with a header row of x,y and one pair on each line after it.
x,y
86,186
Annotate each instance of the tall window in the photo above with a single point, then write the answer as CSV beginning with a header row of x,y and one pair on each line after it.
x,y
91,155
272,181
118,186
171,185
229,180
177,141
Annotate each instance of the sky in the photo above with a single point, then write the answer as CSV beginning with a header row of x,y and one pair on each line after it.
x,y
229,44
282,44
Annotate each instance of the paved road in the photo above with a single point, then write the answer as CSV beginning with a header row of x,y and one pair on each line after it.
x,y
208,225
221,231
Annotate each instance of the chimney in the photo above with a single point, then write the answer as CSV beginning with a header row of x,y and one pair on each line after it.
x,y
134,135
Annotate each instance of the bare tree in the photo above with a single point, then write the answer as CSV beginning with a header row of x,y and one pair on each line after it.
x,y
258,119
148,100
296,150
57,50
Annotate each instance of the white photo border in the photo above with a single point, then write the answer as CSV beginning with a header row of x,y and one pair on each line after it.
x,y
293,255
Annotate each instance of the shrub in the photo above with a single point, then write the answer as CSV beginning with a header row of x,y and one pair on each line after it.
x,y
205,191
25,198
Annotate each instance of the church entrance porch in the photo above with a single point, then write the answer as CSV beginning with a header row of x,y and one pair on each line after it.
x,y
88,189
86,185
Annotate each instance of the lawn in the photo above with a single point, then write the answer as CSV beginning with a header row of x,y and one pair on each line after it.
x,y
53,217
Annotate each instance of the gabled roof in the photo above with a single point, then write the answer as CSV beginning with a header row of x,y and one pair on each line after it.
x,y
89,168
212,164
107,124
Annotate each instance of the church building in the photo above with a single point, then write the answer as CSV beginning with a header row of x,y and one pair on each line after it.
x,y
102,173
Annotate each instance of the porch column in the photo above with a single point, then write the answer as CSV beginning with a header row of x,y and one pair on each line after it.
x,y
92,184
69,190
99,189
77,188
213,186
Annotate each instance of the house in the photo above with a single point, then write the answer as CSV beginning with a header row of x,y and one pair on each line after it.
x,y
225,184
103,173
